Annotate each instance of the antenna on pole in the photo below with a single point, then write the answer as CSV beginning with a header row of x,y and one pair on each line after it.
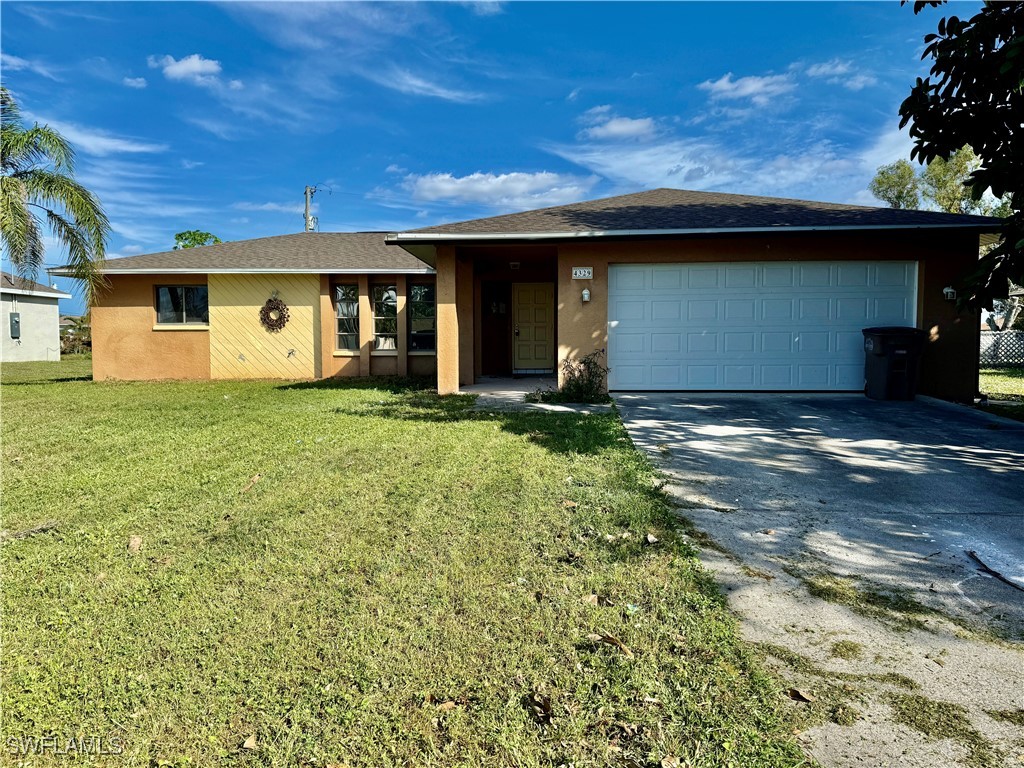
x,y
311,221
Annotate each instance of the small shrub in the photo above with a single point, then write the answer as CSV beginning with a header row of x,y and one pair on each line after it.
x,y
584,380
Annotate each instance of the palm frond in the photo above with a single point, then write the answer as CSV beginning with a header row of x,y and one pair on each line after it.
x,y
49,189
81,262
20,230
37,163
24,148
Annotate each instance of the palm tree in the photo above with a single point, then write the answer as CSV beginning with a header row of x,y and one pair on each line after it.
x,y
37,181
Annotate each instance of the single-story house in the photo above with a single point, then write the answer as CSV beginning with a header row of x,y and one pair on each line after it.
x,y
685,290
30,317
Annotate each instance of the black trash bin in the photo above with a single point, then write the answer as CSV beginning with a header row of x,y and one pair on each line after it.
x,y
892,357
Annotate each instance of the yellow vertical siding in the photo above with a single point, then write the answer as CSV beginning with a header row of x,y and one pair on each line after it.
x,y
241,348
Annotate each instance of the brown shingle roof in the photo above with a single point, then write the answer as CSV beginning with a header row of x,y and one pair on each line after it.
x,y
301,252
13,282
679,209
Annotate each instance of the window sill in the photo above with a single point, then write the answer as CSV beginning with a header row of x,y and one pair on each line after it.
x,y
346,353
423,352
180,327
384,352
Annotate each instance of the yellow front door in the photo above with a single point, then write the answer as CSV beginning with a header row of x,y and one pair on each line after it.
x,y
533,318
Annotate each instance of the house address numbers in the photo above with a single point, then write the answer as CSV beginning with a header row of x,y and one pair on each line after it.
x,y
582,273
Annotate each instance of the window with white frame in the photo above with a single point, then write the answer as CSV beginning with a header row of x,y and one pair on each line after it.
x,y
182,304
385,317
422,318
346,313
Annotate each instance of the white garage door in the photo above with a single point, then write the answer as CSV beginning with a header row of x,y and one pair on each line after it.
x,y
751,326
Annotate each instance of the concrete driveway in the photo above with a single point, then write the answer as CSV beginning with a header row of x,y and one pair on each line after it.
x,y
883,497
895,490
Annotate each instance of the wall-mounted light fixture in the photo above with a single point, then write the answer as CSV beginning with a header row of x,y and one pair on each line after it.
x,y
586,295
949,293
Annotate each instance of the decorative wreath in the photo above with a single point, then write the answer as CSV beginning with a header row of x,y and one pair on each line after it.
x,y
274,314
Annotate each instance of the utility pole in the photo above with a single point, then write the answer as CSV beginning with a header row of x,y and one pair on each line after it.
x,y
310,220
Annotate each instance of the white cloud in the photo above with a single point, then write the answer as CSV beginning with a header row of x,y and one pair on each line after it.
x,y
622,128
486,7
830,68
840,72
188,165
358,27
573,94
679,162
857,82
403,81
890,145
219,128
273,207
94,141
596,114
132,249
192,69
136,198
811,169
514,191
134,82
18,64
395,168
760,90
603,124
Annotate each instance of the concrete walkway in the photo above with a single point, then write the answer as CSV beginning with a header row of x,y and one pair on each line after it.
x,y
497,393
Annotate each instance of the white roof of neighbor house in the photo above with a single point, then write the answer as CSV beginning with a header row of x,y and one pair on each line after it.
x,y
19,286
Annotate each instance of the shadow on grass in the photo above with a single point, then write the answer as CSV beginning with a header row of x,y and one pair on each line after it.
x,y
18,382
414,399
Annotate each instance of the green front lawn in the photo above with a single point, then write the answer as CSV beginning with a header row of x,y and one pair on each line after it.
x,y
1004,384
358,574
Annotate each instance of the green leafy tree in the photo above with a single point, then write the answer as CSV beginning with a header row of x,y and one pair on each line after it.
x,y
942,184
193,238
946,183
897,185
974,96
38,184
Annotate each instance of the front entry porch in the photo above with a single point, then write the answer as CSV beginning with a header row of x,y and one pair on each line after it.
x,y
496,315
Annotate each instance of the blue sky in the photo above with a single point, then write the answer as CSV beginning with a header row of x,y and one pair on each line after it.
x,y
215,116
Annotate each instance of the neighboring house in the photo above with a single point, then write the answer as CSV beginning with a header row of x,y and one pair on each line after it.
x,y
67,323
29,314
685,290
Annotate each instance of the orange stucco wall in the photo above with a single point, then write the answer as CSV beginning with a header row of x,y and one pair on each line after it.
x,y
125,345
448,322
949,365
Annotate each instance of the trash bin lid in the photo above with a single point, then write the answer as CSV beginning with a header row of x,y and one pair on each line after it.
x,y
892,330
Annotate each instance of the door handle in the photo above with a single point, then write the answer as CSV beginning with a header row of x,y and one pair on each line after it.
x,y
517,330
